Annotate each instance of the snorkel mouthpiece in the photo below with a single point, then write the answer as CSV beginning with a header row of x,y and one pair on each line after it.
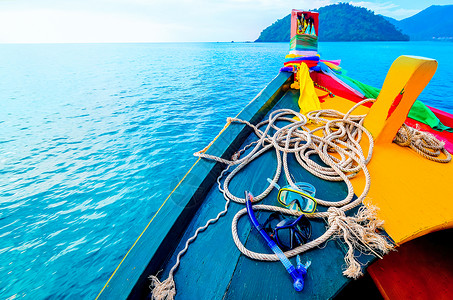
x,y
301,274
298,285
298,274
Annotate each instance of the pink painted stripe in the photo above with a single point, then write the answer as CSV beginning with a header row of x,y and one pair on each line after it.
x,y
444,117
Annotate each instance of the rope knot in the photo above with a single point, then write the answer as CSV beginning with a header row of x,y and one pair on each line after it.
x,y
162,290
335,214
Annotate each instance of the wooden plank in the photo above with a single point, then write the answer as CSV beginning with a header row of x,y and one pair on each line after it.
x,y
213,267
165,228
420,269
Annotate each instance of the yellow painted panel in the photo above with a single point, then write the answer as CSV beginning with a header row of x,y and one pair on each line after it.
x,y
414,194
340,104
408,74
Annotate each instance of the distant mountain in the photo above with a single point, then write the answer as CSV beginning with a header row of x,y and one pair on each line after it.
x,y
434,22
340,22
391,20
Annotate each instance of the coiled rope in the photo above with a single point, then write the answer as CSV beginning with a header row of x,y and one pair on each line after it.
x,y
424,143
336,141
341,135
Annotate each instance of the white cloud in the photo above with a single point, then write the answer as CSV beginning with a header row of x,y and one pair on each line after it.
x,y
388,9
152,20
47,26
141,20
402,13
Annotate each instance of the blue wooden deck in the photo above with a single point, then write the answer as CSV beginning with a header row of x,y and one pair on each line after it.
x,y
161,235
213,268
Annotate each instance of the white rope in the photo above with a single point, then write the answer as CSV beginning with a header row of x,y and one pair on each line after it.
x,y
424,143
336,141
341,134
166,290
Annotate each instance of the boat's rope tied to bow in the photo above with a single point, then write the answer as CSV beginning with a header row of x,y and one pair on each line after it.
x,y
424,143
336,141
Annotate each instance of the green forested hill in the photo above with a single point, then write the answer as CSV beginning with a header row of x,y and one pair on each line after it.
x,y
340,22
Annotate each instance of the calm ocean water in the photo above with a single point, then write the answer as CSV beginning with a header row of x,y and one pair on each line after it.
x,y
94,136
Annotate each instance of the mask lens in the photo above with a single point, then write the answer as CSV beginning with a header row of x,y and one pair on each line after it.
x,y
306,204
290,234
296,200
282,197
306,188
294,206
283,237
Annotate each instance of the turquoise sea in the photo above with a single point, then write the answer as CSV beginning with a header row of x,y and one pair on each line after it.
x,y
93,137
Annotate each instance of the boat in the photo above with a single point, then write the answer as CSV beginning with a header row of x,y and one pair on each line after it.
x,y
200,244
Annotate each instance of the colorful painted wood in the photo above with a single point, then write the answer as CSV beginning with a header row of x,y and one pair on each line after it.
x,y
410,191
407,76
444,136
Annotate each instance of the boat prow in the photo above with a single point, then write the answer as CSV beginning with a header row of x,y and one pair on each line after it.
x,y
410,191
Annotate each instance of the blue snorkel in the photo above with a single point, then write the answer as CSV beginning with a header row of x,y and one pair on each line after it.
x,y
300,272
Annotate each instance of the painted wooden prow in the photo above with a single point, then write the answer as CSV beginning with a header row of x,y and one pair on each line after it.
x,y
404,82
412,193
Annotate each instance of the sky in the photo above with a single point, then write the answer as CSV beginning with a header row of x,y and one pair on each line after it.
x,y
101,21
